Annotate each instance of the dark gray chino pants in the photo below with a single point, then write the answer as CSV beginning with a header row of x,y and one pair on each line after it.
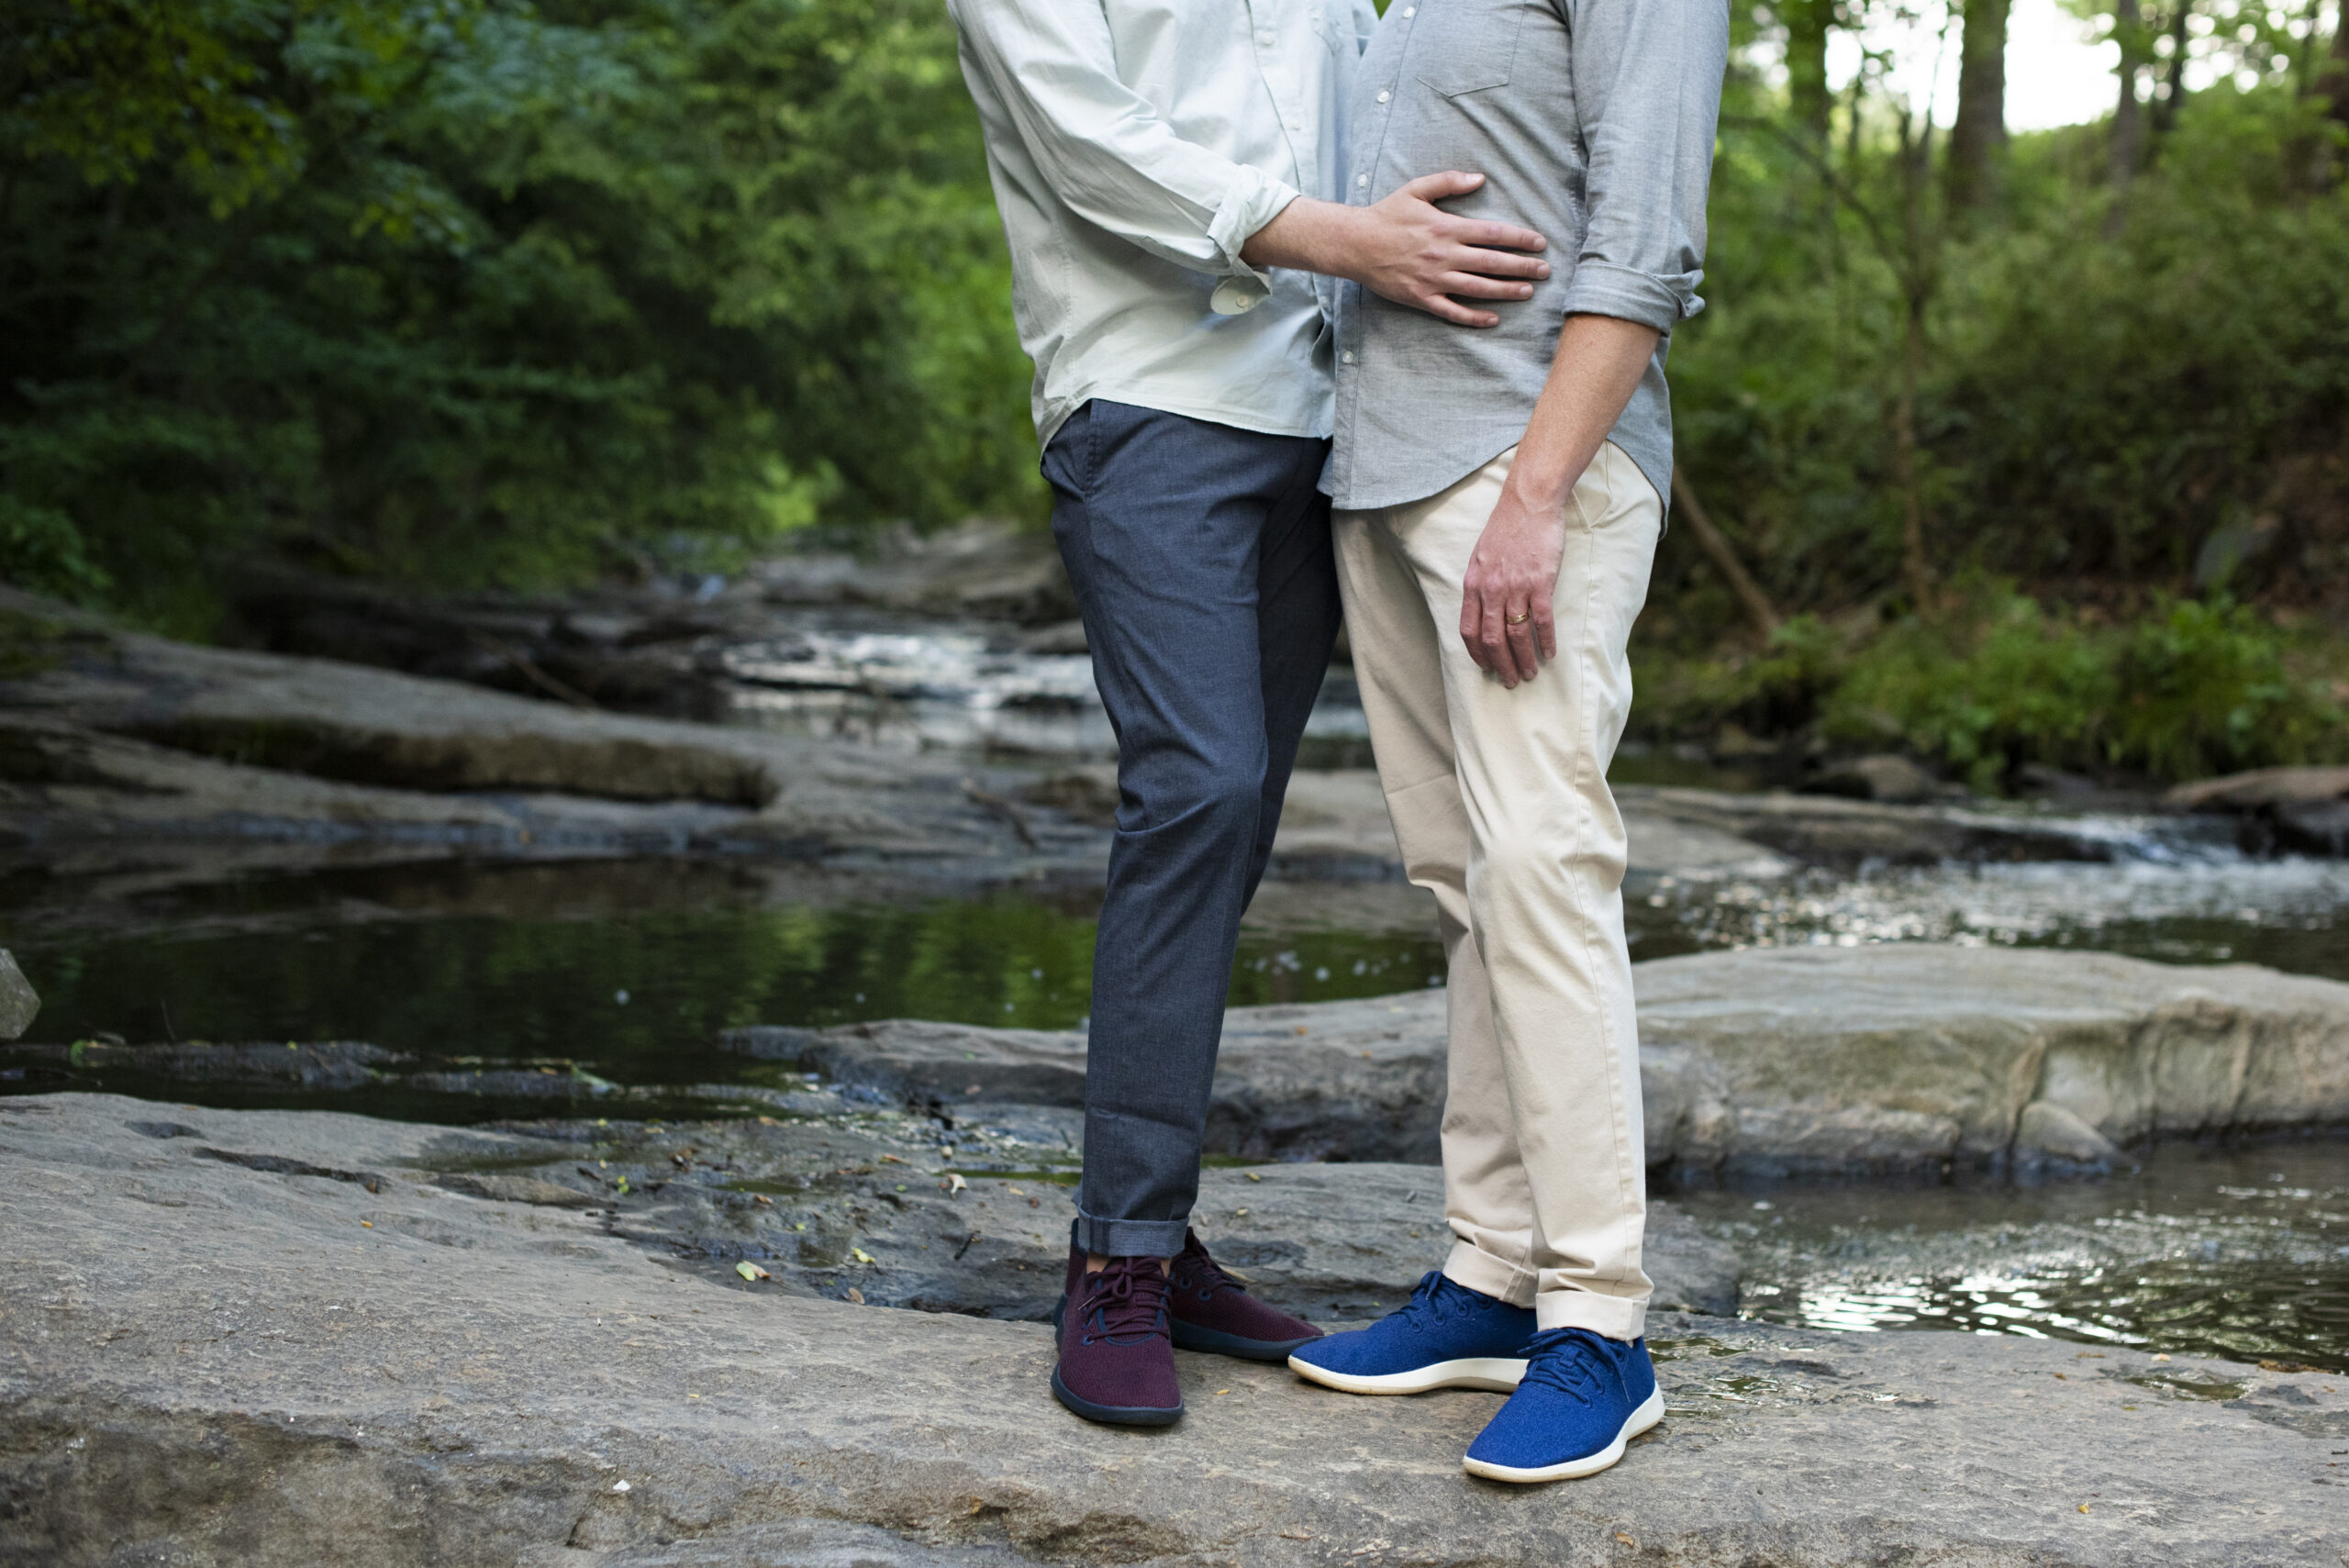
x,y
1200,556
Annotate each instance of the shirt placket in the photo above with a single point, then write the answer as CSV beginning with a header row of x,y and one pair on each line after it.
x,y
1368,137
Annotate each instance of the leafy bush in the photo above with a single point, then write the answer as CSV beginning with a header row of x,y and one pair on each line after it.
x,y
2194,688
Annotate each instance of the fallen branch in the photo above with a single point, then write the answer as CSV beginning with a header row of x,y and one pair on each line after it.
x,y
1758,608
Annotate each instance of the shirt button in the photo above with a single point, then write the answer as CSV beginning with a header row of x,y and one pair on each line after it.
x,y
1235,296
1362,179
1383,96
1410,12
1265,38
1347,358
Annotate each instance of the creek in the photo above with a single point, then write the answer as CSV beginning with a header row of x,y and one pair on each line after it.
x,y
625,970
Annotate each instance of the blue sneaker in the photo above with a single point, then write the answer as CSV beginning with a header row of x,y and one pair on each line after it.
x,y
1448,1337
1584,1398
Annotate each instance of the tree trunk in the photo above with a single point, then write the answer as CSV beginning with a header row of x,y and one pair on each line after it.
x,y
1914,569
1717,550
1808,23
2128,114
2173,96
2333,83
1977,142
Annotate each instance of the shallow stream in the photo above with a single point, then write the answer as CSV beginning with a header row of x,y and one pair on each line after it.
x,y
625,971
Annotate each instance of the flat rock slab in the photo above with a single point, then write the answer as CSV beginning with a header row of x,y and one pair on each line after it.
x,y
213,1363
1791,1061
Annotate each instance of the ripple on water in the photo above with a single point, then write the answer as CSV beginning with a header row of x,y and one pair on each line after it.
x,y
2239,1253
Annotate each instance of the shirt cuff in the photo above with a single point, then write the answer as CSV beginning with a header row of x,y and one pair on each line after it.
x,y
1254,199
1601,288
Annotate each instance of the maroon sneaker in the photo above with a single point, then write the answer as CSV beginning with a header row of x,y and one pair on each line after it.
x,y
1117,1356
1214,1312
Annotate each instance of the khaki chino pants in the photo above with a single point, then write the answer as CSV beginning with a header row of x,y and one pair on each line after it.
x,y
1500,802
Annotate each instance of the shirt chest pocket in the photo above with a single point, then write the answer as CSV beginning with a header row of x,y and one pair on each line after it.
x,y
1465,46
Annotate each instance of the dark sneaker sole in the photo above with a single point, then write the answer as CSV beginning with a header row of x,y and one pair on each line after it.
x,y
1215,1342
1116,1415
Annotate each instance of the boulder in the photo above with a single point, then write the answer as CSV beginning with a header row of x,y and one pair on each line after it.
x,y
2302,811
1921,1056
223,1364
133,738
1905,1057
19,1003
1887,776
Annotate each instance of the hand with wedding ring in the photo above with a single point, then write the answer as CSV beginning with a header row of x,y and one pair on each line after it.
x,y
1504,603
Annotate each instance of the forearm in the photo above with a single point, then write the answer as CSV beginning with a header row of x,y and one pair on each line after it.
x,y
1597,366
1311,237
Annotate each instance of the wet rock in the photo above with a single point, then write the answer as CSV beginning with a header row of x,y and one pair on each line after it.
x,y
2298,810
987,568
142,739
1824,830
1334,827
1895,1058
1888,777
455,1381
1917,1056
2048,1134
19,1003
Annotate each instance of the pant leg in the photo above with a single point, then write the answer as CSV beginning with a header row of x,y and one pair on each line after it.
x,y
1183,539
1546,856
1398,658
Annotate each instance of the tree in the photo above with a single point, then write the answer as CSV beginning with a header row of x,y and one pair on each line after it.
x,y
1807,24
1978,140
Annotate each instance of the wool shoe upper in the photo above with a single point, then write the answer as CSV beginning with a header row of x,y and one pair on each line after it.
x,y
1582,1395
1444,1321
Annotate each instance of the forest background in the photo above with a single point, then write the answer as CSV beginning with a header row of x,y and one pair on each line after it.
x,y
2008,450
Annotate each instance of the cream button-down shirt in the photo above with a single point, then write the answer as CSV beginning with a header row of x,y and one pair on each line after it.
x,y
1135,146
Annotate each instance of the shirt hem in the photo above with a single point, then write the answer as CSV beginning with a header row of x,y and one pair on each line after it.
x,y
1209,413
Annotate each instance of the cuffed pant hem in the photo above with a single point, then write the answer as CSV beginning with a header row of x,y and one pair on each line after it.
x,y
1481,1272
1611,1317
1130,1238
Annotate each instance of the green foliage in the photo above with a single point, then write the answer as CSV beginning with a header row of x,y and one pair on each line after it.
x,y
2191,689
478,290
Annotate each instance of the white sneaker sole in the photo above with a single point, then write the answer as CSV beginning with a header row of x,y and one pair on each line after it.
x,y
1649,1412
1494,1374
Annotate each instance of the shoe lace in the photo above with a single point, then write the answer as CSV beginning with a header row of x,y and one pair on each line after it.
x,y
1433,1301
1194,1270
1126,1301
1562,1358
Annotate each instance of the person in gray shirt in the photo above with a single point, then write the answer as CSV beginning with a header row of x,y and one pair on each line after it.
x,y
1499,497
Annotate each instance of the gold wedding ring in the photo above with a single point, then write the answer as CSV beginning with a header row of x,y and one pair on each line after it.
x,y
1518,620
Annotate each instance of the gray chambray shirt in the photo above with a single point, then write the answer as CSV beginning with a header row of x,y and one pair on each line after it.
x,y
1592,122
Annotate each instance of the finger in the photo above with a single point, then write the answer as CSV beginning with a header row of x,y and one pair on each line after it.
x,y
1476,287
1455,312
1500,263
1520,643
1501,235
1496,636
1545,623
1441,187
1472,626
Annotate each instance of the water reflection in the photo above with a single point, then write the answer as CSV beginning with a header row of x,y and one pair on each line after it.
x,y
2242,1253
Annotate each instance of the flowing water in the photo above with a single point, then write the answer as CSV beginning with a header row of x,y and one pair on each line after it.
x,y
627,970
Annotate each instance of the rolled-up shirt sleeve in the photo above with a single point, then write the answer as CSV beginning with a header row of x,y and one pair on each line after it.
x,y
1103,148
1647,81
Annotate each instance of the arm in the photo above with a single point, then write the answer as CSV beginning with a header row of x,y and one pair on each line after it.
x,y
1407,249
1101,146
1108,155
1647,86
